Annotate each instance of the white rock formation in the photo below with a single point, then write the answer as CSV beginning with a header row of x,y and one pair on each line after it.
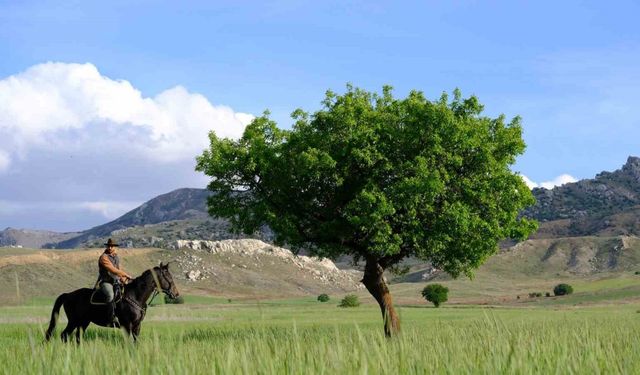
x,y
321,269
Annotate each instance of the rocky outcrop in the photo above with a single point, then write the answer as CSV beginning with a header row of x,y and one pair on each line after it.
x,y
251,253
608,193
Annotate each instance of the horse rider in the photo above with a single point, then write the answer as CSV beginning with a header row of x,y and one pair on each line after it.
x,y
111,277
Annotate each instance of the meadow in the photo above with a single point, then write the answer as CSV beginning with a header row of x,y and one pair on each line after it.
x,y
303,336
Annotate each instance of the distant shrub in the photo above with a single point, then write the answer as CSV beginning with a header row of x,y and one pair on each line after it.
x,y
547,294
323,297
350,300
562,290
436,294
637,273
535,294
179,300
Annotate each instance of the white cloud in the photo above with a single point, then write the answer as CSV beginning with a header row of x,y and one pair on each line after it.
x,y
4,161
558,181
529,183
110,210
73,106
107,209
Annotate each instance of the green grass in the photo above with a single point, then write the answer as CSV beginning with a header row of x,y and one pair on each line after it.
x,y
301,337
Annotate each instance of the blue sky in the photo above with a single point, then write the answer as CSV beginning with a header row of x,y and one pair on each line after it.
x,y
569,68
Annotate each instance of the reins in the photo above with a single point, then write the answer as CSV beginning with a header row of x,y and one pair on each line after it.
x,y
156,291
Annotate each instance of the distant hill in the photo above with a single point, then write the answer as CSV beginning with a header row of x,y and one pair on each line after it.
x,y
181,204
32,238
609,204
552,258
234,268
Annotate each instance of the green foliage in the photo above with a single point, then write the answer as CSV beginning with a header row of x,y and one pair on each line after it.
x,y
323,297
377,177
562,289
436,294
350,300
175,301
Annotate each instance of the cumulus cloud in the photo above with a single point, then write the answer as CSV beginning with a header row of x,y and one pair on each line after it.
x,y
109,209
4,161
529,183
558,181
78,148
69,106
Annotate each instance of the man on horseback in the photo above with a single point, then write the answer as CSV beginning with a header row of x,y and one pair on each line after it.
x,y
111,277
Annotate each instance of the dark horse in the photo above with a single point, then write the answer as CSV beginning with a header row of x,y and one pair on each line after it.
x,y
130,310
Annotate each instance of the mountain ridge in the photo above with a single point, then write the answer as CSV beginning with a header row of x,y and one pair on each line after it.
x,y
606,205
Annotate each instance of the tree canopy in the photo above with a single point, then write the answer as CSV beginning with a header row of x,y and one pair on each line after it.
x,y
436,294
377,178
371,175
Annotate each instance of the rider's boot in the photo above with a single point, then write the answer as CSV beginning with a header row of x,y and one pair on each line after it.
x,y
113,318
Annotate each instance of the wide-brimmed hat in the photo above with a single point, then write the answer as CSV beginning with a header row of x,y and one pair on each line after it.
x,y
111,243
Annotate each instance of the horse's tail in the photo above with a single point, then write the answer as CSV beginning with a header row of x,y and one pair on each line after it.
x,y
54,314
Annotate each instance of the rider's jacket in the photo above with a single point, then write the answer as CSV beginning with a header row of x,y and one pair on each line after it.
x,y
108,265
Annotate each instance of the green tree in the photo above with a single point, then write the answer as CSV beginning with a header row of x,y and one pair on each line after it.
x,y
350,300
436,294
562,290
377,178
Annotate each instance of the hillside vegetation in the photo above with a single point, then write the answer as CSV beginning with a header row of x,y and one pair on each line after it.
x,y
240,269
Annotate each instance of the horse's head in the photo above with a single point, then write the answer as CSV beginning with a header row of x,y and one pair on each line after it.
x,y
165,280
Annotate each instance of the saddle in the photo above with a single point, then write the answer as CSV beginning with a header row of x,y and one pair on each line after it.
x,y
99,298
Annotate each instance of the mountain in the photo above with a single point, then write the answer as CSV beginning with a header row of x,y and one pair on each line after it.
x,y
32,238
180,204
608,204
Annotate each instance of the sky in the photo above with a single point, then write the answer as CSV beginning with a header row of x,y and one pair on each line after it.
x,y
105,105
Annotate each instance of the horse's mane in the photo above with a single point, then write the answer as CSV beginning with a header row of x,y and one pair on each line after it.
x,y
136,281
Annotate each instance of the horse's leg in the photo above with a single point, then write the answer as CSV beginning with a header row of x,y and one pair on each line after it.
x,y
136,331
80,331
67,331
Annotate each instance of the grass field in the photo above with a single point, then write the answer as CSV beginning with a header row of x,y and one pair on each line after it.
x,y
483,329
302,336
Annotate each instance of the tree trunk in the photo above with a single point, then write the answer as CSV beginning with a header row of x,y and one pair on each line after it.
x,y
374,281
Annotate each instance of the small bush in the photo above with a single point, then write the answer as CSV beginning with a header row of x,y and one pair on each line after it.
x,y
179,300
637,273
562,290
436,294
323,297
350,300
547,294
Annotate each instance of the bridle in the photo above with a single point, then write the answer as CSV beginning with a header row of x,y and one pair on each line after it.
x,y
156,291
159,288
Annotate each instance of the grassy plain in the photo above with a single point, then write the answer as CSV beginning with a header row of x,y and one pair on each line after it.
x,y
484,328
303,336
